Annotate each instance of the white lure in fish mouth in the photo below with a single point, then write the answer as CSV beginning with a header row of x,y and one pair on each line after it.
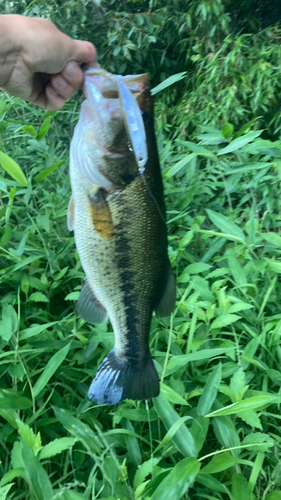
x,y
103,84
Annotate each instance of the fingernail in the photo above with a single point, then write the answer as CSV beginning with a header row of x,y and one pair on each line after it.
x,y
60,82
70,69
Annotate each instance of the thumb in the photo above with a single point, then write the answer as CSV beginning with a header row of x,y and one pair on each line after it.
x,y
84,52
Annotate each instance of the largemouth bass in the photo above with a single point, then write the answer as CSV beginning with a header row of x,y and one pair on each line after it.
x,y
117,212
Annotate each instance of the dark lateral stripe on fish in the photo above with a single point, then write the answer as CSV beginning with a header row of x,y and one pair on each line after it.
x,y
137,319
101,215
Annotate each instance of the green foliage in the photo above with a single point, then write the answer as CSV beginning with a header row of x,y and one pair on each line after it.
x,y
214,430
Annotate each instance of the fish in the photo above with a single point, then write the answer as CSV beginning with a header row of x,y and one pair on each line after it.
x,y
118,215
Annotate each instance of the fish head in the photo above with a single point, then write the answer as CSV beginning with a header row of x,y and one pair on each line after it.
x,y
104,141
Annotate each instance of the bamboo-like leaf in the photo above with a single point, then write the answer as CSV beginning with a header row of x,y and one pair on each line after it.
x,y
225,224
225,320
168,82
49,370
210,391
240,142
13,169
220,462
178,481
182,438
248,404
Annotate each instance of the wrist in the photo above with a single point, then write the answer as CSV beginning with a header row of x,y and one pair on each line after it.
x,y
9,46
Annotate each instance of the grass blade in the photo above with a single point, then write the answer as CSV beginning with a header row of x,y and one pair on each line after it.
x,y
178,481
49,370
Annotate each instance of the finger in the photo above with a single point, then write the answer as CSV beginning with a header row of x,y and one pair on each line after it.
x,y
50,99
63,88
73,75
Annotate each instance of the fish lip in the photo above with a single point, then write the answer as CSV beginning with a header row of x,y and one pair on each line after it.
x,y
136,83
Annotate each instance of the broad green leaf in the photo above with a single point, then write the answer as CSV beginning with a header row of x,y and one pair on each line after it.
x,y
169,81
44,129
272,238
211,483
10,475
38,297
178,481
178,166
227,130
47,171
258,441
251,418
4,490
56,447
240,142
34,474
32,440
256,470
132,445
248,167
225,320
239,306
171,432
273,265
196,148
29,129
198,430
198,267
27,261
72,296
225,224
227,434
248,404
144,470
236,270
182,360
80,431
139,415
274,495
13,169
220,462
210,391
240,487
15,403
172,396
49,370
247,127
182,438
34,330
9,323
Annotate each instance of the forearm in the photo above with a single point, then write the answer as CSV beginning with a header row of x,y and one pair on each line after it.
x,y
9,46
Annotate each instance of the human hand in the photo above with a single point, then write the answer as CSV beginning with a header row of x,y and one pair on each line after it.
x,y
39,63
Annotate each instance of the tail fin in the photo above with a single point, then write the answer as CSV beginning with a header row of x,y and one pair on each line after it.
x,y
118,379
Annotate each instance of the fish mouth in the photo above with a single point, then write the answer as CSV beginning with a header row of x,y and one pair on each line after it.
x,y
107,84
121,97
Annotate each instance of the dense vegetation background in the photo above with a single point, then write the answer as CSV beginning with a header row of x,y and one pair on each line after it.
x,y
214,431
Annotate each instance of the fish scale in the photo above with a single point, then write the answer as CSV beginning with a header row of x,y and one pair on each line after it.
x,y
121,239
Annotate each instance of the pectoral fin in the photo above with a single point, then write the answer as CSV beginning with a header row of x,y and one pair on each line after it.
x,y
70,214
166,303
89,308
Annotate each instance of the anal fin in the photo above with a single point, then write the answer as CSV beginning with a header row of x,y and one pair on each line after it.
x,y
166,303
89,308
